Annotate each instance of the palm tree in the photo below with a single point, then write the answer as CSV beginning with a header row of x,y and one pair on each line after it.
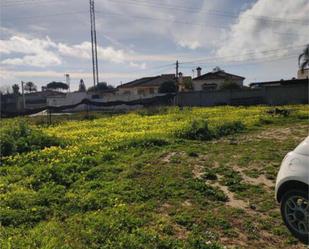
x,y
303,59
15,88
30,87
82,87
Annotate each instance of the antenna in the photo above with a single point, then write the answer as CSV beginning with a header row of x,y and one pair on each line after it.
x,y
67,80
94,50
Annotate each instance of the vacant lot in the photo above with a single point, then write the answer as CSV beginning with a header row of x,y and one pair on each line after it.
x,y
161,178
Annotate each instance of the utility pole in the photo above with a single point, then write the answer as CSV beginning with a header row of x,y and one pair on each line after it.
x,y
23,94
94,50
177,67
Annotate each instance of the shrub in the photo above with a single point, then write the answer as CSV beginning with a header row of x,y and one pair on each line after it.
x,y
210,175
24,139
168,87
229,128
7,145
197,130
15,217
143,143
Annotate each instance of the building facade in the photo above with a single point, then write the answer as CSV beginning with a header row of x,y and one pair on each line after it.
x,y
215,80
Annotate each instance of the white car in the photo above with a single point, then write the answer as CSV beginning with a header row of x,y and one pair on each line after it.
x,y
292,191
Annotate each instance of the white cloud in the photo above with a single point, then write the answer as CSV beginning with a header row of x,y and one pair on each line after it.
x,y
36,52
83,50
39,60
190,43
111,54
80,51
138,65
267,25
19,44
28,51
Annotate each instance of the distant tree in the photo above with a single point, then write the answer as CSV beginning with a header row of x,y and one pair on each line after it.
x,y
15,89
101,86
303,59
168,87
57,86
188,84
82,87
229,86
217,69
30,87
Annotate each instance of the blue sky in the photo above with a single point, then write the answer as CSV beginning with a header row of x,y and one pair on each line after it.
x,y
43,40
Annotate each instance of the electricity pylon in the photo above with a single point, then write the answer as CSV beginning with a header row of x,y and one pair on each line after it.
x,y
94,50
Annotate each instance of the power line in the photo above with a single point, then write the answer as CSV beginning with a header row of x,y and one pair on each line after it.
x,y
173,7
204,25
245,62
30,2
244,54
185,22
46,15
209,12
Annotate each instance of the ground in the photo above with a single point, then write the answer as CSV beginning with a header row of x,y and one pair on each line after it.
x,y
162,191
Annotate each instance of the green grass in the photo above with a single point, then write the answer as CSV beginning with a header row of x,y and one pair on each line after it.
x,y
130,181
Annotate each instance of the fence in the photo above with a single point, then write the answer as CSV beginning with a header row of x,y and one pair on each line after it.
x,y
277,95
158,100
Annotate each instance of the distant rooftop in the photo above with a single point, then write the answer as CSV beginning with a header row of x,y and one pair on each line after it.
x,y
218,74
149,81
280,82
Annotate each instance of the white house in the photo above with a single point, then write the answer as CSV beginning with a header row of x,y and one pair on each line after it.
x,y
214,80
145,86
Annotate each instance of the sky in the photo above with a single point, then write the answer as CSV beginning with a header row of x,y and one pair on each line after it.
x,y
42,40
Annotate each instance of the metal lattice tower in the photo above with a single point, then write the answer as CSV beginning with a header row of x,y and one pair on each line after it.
x,y
95,67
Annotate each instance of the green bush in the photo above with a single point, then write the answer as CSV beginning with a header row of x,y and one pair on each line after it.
x,y
15,217
7,145
229,128
199,130
24,139
142,143
210,175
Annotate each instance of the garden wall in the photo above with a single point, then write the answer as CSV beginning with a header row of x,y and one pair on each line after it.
x,y
275,95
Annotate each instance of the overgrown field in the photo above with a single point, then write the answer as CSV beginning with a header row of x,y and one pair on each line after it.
x,y
163,178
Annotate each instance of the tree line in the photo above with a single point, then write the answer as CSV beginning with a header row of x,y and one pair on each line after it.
x,y
30,87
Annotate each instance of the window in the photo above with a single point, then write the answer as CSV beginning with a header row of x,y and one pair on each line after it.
x,y
209,87
151,91
140,91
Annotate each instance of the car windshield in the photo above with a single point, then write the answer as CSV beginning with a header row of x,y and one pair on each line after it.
x,y
303,148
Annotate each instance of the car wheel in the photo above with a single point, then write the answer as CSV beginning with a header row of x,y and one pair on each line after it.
x,y
295,213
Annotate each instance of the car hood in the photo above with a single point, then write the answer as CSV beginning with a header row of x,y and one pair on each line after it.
x,y
303,147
